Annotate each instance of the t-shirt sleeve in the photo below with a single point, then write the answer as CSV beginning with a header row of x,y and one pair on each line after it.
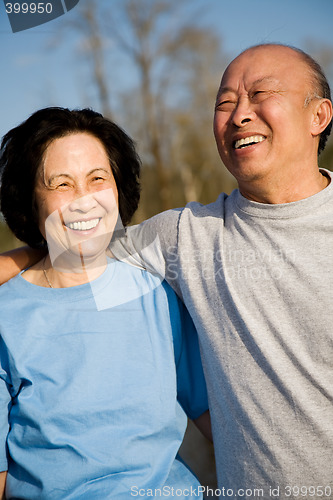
x,y
148,244
191,385
5,402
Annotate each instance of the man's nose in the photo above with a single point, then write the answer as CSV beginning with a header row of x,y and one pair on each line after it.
x,y
243,112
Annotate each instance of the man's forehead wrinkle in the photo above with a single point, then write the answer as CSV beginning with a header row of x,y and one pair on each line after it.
x,y
269,78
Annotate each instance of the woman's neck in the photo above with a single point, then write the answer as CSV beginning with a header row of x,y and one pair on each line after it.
x,y
66,274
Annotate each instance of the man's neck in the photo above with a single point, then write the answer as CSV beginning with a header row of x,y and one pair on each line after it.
x,y
279,192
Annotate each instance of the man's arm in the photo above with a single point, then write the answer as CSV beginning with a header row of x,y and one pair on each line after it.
x,y
3,476
12,262
147,244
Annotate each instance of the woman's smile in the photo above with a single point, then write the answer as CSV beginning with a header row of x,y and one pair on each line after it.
x,y
84,225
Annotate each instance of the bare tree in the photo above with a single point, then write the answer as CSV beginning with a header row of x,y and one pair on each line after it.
x,y
194,150
151,50
88,24
173,62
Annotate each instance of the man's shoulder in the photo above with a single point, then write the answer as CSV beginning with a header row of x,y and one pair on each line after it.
x,y
170,218
214,209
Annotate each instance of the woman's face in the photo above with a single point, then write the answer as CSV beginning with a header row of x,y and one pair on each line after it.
x,y
77,198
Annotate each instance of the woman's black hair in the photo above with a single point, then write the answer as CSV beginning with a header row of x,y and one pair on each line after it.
x,y
21,156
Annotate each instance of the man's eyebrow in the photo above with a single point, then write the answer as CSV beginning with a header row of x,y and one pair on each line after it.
x,y
223,90
226,89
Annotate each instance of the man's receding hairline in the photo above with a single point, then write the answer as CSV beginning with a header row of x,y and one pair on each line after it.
x,y
302,56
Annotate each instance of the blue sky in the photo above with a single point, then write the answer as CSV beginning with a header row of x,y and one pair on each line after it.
x,y
34,74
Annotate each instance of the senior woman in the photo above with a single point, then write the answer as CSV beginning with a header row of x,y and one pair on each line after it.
x,y
99,361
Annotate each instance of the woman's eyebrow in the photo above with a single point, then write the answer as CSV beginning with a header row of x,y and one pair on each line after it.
x,y
56,176
93,170
98,169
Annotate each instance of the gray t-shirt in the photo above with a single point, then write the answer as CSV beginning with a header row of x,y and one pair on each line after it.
x,y
257,280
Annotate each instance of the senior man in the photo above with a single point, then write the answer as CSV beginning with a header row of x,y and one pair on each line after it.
x,y
255,270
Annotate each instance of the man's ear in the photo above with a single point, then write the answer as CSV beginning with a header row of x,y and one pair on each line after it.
x,y
322,115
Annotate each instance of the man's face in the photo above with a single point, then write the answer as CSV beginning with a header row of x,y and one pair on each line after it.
x,y
262,126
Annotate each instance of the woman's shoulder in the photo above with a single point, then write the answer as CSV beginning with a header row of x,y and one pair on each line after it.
x,y
10,292
18,290
11,285
137,276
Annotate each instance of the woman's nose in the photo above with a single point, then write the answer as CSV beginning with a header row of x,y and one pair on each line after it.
x,y
83,203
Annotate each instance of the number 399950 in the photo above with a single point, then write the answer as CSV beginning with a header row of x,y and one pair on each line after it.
x,y
308,491
28,8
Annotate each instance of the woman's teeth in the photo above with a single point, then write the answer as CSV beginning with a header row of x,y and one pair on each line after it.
x,y
83,225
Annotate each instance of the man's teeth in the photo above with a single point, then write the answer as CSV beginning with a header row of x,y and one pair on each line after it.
x,y
249,140
83,225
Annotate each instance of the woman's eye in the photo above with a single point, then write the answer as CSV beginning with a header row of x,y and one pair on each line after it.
x,y
61,186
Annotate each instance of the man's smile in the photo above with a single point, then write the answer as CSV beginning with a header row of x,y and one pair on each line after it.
x,y
248,141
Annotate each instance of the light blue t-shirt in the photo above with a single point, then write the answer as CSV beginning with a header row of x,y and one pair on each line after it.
x,y
91,393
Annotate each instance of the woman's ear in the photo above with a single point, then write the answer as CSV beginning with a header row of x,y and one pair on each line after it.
x,y
322,115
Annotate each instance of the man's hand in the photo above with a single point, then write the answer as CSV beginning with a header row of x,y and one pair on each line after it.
x,y
3,476
12,262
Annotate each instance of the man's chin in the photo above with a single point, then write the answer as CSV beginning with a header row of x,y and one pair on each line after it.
x,y
248,171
